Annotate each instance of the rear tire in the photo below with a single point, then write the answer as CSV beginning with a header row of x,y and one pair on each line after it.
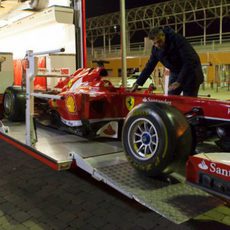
x,y
224,138
156,136
14,104
224,143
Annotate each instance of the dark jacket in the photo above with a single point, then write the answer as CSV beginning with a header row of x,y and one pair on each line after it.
x,y
178,56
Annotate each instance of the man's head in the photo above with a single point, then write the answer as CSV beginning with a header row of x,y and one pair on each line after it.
x,y
157,35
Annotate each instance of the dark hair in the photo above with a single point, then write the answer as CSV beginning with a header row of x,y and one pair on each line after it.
x,y
153,33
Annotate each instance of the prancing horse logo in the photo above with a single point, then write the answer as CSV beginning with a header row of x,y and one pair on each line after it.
x,y
129,102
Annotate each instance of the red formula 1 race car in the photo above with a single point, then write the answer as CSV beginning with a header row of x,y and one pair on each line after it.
x,y
157,130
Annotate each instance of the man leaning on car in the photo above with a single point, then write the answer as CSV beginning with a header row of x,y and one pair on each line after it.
x,y
176,54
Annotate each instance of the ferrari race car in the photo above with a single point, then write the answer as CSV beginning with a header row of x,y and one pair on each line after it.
x,y
156,130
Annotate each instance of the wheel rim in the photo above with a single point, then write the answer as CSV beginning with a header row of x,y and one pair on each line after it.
x,y
143,139
7,103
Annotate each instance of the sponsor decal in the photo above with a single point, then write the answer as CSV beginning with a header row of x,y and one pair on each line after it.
x,y
70,83
129,102
70,104
229,110
54,103
146,99
54,71
65,71
220,171
72,123
109,130
214,168
203,165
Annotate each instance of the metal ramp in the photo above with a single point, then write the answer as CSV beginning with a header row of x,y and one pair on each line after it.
x,y
54,147
177,202
54,160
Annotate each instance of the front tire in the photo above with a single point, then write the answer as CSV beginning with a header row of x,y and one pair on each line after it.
x,y
154,136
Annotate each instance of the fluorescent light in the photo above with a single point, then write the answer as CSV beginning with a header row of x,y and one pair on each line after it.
x,y
59,3
3,23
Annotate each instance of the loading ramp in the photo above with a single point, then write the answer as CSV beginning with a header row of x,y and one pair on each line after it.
x,y
176,201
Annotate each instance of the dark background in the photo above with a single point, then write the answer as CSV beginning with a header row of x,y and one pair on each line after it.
x,y
99,7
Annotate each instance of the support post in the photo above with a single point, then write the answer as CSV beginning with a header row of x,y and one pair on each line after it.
x,y
184,24
221,22
80,33
30,71
123,43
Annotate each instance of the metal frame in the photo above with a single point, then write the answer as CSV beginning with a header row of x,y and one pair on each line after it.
x,y
178,14
31,72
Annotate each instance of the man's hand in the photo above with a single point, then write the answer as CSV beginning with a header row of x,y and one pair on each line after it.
x,y
174,85
134,87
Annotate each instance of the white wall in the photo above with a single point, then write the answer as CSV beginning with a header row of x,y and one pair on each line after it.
x,y
49,37
40,32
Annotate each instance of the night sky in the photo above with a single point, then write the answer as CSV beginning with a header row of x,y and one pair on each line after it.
x,y
100,7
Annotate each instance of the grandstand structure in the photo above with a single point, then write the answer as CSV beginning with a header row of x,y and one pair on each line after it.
x,y
205,23
201,20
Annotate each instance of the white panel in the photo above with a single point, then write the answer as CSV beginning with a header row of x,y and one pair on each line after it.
x,y
57,61
6,71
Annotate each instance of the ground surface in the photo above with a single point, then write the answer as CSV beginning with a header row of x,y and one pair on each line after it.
x,y
33,196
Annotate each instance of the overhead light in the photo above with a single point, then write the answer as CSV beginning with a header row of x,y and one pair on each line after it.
x,y
3,23
59,3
